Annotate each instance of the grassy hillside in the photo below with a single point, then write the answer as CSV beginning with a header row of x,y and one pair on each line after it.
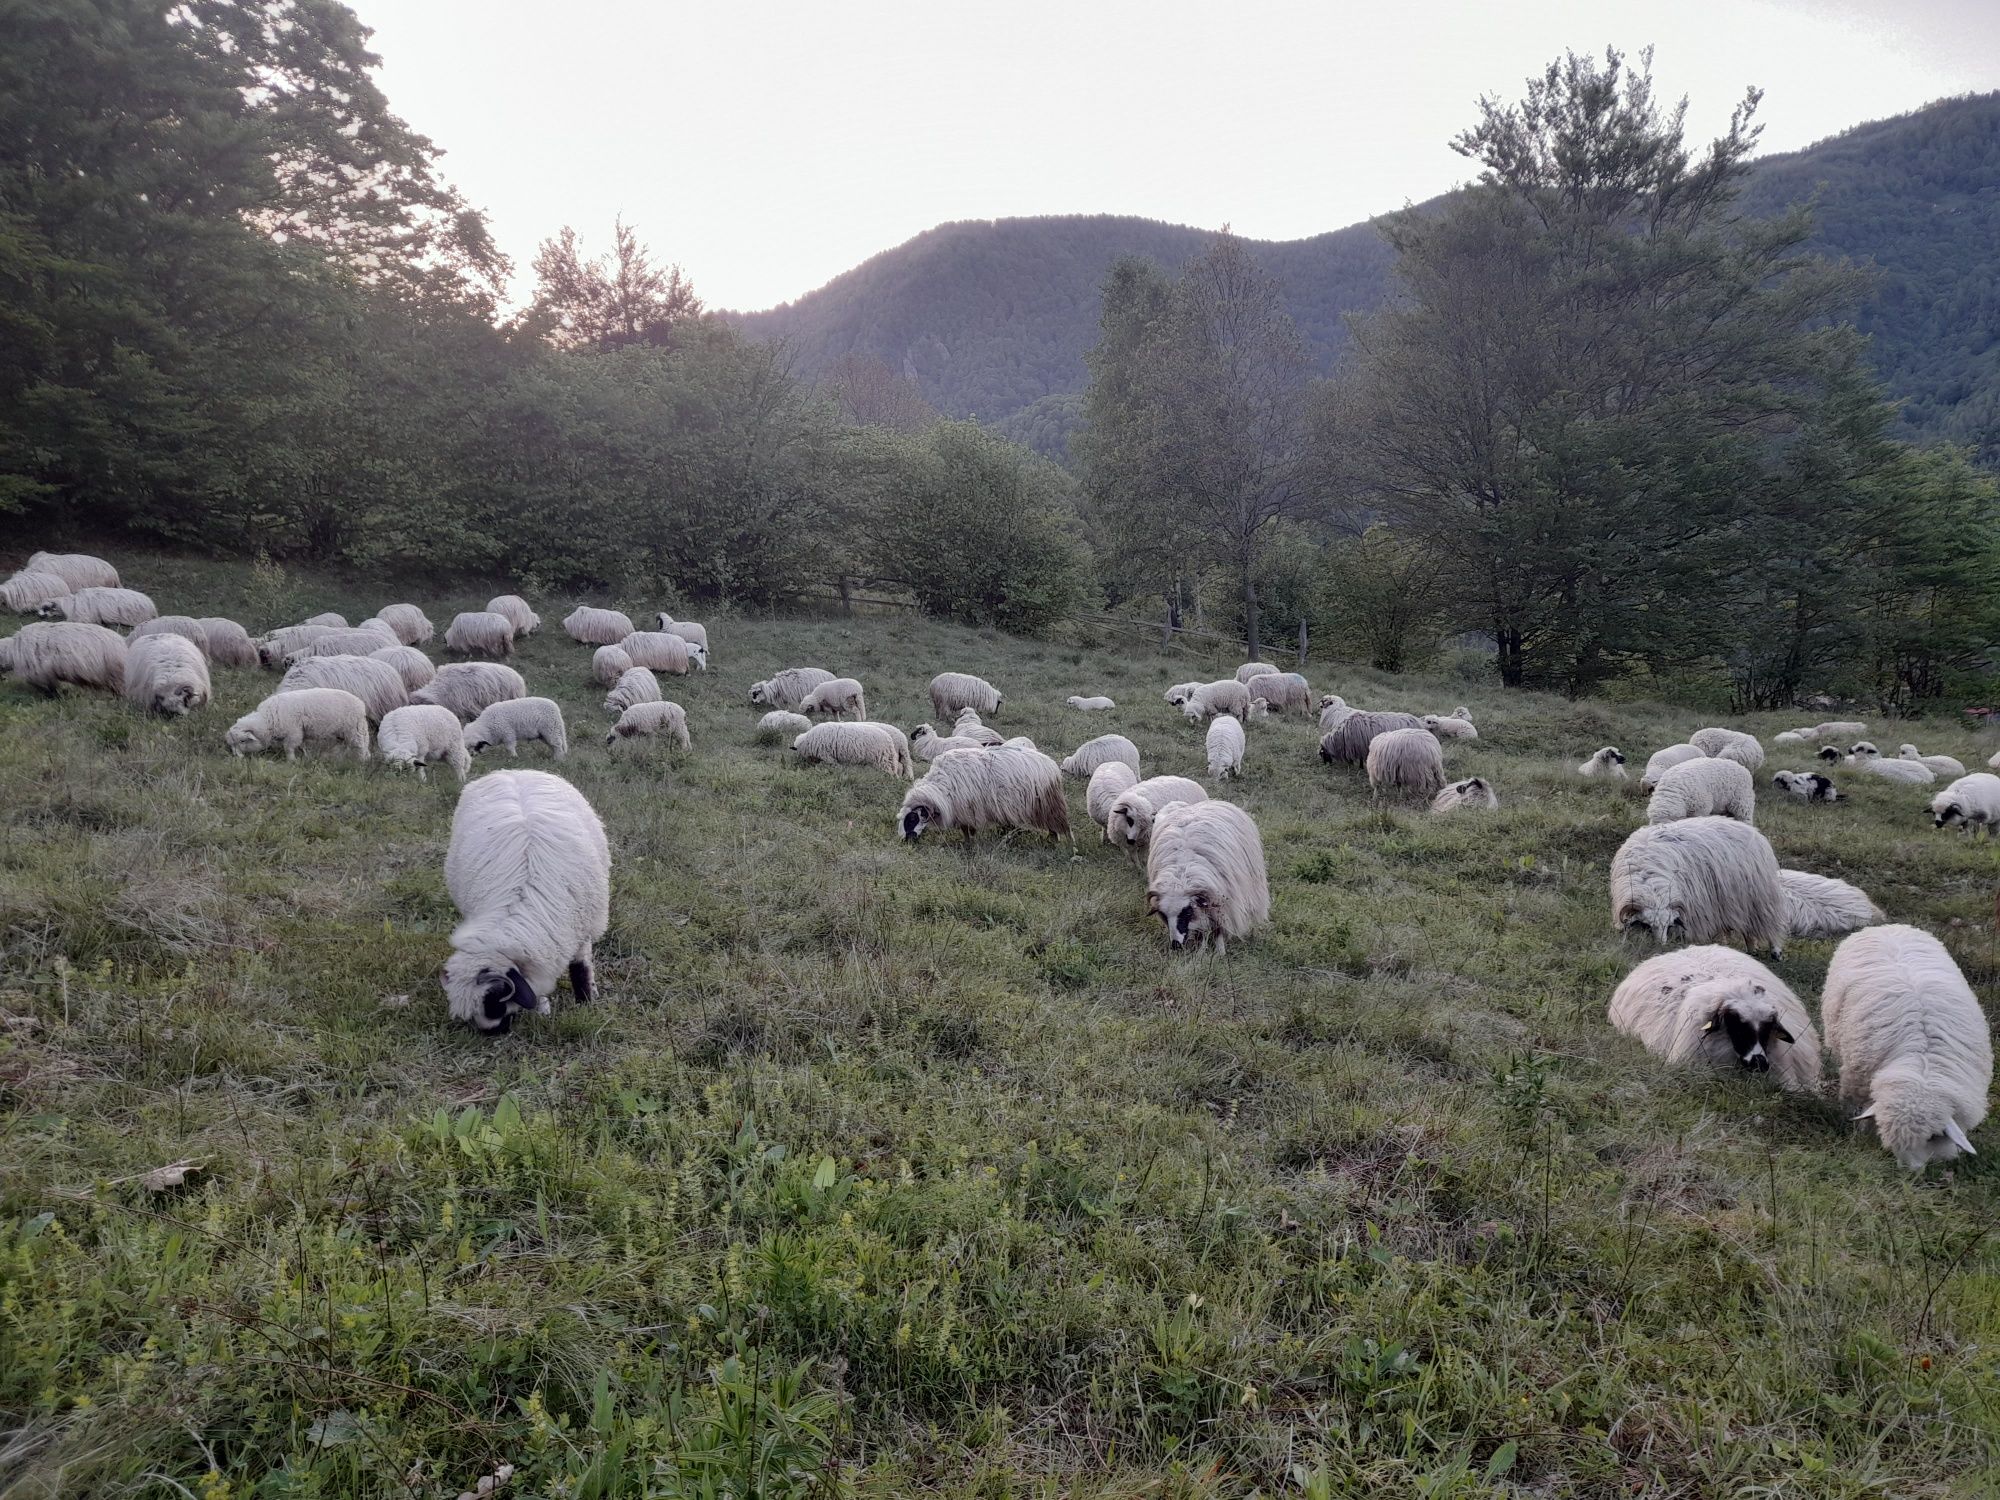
x,y
884,1169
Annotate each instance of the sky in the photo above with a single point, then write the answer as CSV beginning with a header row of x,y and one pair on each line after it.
x,y
767,146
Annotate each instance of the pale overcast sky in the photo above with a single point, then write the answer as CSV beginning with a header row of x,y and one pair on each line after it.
x,y
769,146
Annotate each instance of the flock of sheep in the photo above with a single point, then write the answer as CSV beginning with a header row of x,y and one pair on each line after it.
x,y
529,866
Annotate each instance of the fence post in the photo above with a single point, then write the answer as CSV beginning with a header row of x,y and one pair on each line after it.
x,y
1302,643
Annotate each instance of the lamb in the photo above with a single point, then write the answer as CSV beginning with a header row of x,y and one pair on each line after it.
x,y
1129,823
375,683
1911,1042
1225,748
513,720
290,719
1713,1006
1251,669
687,630
1704,788
466,687
1608,762
515,611
635,685
787,689
1729,744
1406,762
1662,761
608,664
45,656
782,724
1107,783
842,698
409,663
968,727
77,569
166,674
26,592
480,633
970,790
100,606
1205,875
658,652
355,642
1089,705
1093,753
1969,803
185,626
419,735
530,873
1456,725
229,644
1210,698
1937,765
1351,734
1280,691
1807,786
1819,906
927,744
648,719
411,625
1699,879
589,626
1473,793
882,746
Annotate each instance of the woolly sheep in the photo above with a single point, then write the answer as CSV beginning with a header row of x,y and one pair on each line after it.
x,y
166,674
409,663
480,633
1280,691
44,656
375,683
968,727
291,719
608,664
1792,737
1019,742
687,630
1911,1041
513,720
1205,875
1093,753
1704,788
326,620
1456,725
597,627
229,644
25,592
1937,765
1225,697
1355,730
882,746
1807,786
1225,747
783,724
100,606
842,698
647,719
1251,669
1129,823
971,790
77,569
274,647
1107,783
1474,793
1715,1007
516,612
1839,729
354,642
466,687
1994,760
1969,803
787,689
1089,705
1662,761
951,691
1819,906
658,652
927,744
1700,879
1608,762
634,685
1729,744
1332,710
530,873
419,735
1902,772
1406,762
412,627
186,627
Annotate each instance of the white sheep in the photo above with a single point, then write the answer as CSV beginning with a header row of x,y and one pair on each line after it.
x,y
466,687
291,719
1129,823
608,664
412,627
634,685
1091,754
1993,760
1699,879
1018,742
1456,725
1911,1041
1971,803
480,633
78,569
951,691
1251,669
409,663
1937,765
100,606
375,683
1792,737
530,873
1280,691
186,627
166,674
337,642
1862,750
1210,698
927,744
1902,772
1406,762
648,719
1332,710
516,611
1353,730
1663,761
883,746
783,724
1474,793
512,720
229,644
1729,744
1713,1006
842,698
1839,729
787,689
971,790
1205,875
274,646
1608,762
1089,705
1818,906
1225,747
1704,788
657,651
331,619
420,735
1807,786
26,592
589,626
687,630
967,727
45,656
1107,783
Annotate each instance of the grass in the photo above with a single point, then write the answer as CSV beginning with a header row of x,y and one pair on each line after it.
x,y
881,1170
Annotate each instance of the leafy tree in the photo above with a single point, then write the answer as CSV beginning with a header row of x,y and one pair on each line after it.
x,y
870,394
1386,595
607,302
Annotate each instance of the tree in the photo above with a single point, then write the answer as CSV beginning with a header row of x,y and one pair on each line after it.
x,y
873,395
607,302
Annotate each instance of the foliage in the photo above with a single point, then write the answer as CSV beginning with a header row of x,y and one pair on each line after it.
x,y
1386,599
607,302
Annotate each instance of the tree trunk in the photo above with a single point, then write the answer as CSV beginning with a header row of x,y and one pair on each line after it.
x,y
1303,639
846,594
1511,665
1173,616
1250,640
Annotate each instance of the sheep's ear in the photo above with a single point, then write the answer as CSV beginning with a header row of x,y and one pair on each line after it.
x,y
1153,903
1778,1031
1866,1114
524,993
1711,1023
1957,1137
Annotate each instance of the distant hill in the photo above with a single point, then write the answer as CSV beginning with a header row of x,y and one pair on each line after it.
x,y
992,318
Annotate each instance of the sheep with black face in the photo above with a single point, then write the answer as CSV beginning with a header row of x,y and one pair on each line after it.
x,y
1610,761
1971,803
969,790
1714,1006
1205,875
1807,786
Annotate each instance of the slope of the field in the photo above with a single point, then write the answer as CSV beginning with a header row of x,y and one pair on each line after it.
x,y
887,1170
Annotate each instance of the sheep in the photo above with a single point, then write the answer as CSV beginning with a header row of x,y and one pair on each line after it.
x,y
513,720
185,626
1993,760
1456,725
970,790
687,630
1937,765
1205,875
1225,748
100,606
530,873
275,646
1792,737
229,644
1911,1042
409,663
1093,753
516,612
1280,691
635,685
1716,1007
1662,761
77,569
1089,705
658,652
781,723
1107,783
326,620
927,744
1348,739
1260,710
480,633
412,627
1407,762
1704,788
588,626
1210,698
1729,744
335,642
951,691
842,698
1819,906
608,664
1018,742
1902,772
1251,669
968,727
1129,823
290,719
1971,803
466,687
1807,786
1702,878
45,656
1332,710
883,746
648,719
1839,729
375,683
1474,793
1608,762
787,689
1862,750
419,735
25,592
166,674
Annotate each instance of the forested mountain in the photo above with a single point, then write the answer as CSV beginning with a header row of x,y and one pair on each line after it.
x,y
992,319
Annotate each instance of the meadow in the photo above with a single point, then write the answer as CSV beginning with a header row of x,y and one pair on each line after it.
x,y
882,1170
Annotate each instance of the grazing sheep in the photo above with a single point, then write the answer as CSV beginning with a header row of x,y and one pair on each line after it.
x,y
1807,786
1473,793
273,648
1210,698
1819,906
787,689
100,606
410,664
1912,1043
1663,761
166,674
1356,729
597,627
968,727
1280,691
1697,880
25,592
513,720
1251,669
1179,693
77,569
782,724
1205,875
419,735
687,630
927,744
1456,725
327,620
1937,765
1704,788
1406,762
1608,762
1971,803
1716,1007
951,691
335,642
842,698
516,611
45,656
466,687
480,633
1089,705
375,683
1729,744
883,746
530,873
229,644
648,719
608,664
657,651
185,626
1093,753
291,719
1332,709
1129,823
634,685
1839,729
1225,747
971,790
411,626
1107,783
